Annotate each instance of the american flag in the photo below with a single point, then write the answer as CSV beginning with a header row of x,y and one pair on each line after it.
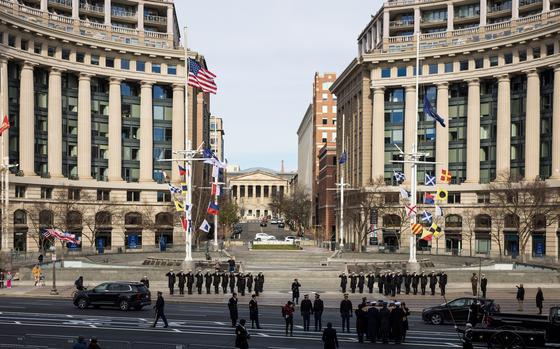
x,y
201,78
62,236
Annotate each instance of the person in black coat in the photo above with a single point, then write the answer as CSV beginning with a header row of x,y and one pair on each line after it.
x,y
171,279
370,281
329,337
145,281
415,280
190,281
295,291
254,312
318,308
231,282
399,281
216,278
232,306
361,320
483,285
346,312
182,280
306,309
208,281
361,282
520,296
343,282
241,284
472,317
353,282
423,282
199,281
241,335
540,300
396,319
407,282
372,323
249,282
380,279
394,280
387,283
442,282
261,282
405,320
433,282
385,323
225,280
159,307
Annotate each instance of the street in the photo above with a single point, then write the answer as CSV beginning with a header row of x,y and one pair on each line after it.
x,y
49,324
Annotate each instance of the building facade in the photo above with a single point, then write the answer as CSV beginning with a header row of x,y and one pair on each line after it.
x,y
253,190
326,193
95,94
491,69
305,151
217,136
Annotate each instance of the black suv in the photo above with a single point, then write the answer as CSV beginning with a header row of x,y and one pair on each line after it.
x,y
456,310
124,295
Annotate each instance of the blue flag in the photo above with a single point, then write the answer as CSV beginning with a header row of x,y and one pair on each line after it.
x,y
426,217
429,111
343,158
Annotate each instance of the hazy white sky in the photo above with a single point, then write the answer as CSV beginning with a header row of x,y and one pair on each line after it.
x,y
265,53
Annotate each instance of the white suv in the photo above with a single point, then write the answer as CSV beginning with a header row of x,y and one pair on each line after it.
x,y
264,237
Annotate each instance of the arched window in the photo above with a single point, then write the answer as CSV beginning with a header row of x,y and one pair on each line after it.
x,y
133,218
74,219
483,221
539,222
164,218
511,221
46,218
20,217
453,221
103,218
392,221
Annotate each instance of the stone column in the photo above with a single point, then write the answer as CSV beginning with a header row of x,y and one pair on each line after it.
x,y
170,20
514,9
556,125
55,123
107,12
378,32
450,16
140,14
5,105
115,122
84,126
532,117
483,11
546,5
378,133
178,124
417,19
503,136
473,132
410,117
146,132
76,9
442,133
44,5
27,121
386,20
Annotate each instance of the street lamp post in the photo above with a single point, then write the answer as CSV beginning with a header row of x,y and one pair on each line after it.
x,y
54,291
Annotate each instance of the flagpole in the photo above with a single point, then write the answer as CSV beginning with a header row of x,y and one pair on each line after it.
x,y
188,163
3,238
414,165
342,192
215,185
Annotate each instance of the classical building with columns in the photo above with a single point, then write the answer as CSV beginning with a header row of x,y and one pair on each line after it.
x,y
491,69
95,94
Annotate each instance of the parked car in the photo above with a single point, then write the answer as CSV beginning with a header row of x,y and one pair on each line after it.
x,y
122,294
264,237
263,223
292,239
273,221
280,224
456,310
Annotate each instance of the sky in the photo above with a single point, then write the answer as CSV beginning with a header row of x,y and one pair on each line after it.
x,y
265,54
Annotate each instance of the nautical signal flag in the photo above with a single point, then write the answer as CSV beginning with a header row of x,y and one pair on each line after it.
x,y
426,217
184,223
429,198
399,176
179,206
439,211
343,158
175,190
442,195
416,228
411,210
445,176
205,226
5,125
426,235
429,111
182,171
213,209
404,193
435,230
430,180
184,186
215,189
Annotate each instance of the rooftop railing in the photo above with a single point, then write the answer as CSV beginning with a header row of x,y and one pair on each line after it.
x,y
92,8
66,3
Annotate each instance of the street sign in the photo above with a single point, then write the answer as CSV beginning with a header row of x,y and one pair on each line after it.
x,y
53,258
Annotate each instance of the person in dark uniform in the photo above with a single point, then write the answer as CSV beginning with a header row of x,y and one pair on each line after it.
x,y
145,281
472,317
261,282
182,280
483,285
474,284
399,279
346,312
361,320
232,306
343,282
539,299
372,323
249,282
208,282
407,281
295,291
394,281
190,281
241,335
423,282
467,336
171,279
353,282
433,282
384,323
329,337
159,307
231,282
199,281
216,281
361,282
306,309
241,284
415,280
396,318
254,312
442,282
387,283
405,320
225,280
318,308
380,280
370,281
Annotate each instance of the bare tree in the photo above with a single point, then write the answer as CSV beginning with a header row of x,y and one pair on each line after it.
x,y
229,214
295,209
201,198
468,226
497,231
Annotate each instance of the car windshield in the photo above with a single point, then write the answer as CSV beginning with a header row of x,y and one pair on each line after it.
x,y
100,288
457,303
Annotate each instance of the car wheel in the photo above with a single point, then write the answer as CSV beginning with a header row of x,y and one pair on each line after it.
x,y
258,239
82,303
436,319
123,305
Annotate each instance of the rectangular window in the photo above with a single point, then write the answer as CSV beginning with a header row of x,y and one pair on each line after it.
x,y
156,68
163,196
386,72
172,70
449,67
110,62
401,71
94,59
325,109
125,64
51,51
494,61
133,195
103,195
464,65
11,41
536,52
74,194
46,192
38,48
483,198
80,57
24,45
325,121
20,191
478,63
140,66
66,54
508,58
482,245
324,137
522,55
433,69
325,96
327,85
549,49
454,198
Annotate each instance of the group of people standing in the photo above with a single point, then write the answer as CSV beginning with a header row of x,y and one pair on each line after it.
x,y
218,279
392,283
6,279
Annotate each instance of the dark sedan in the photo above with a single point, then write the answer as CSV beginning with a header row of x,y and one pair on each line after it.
x,y
124,295
455,311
